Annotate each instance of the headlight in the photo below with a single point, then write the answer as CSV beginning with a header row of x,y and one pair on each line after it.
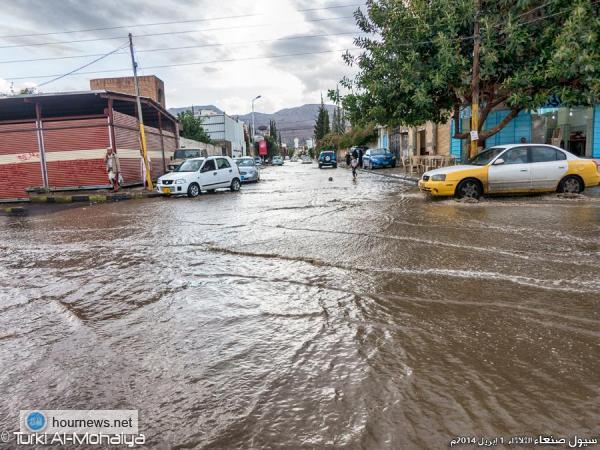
x,y
438,178
180,181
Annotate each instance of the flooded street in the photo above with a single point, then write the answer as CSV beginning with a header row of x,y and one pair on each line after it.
x,y
307,313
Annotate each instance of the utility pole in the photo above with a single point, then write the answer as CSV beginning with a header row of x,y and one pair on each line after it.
x,y
149,185
475,82
253,128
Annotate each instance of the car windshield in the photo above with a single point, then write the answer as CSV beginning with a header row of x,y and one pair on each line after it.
x,y
379,151
276,157
184,154
245,162
191,165
486,156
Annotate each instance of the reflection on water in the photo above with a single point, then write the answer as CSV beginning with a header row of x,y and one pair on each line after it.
x,y
304,313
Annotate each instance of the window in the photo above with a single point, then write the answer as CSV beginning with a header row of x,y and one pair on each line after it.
x,y
515,156
546,154
209,165
222,163
486,156
191,165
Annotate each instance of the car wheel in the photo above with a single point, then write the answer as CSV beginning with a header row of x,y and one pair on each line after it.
x,y
193,190
335,166
571,185
469,188
235,185
393,164
320,166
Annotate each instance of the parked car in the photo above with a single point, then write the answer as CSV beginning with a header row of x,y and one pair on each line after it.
x,y
277,160
181,154
249,171
258,160
306,159
327,158
201,174
378,157
294,159
515,168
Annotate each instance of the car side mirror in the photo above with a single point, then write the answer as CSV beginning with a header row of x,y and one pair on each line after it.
x,y
498,162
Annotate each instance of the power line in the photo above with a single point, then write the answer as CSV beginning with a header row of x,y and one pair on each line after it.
x,y
167,33
171,22
189,64
187,47
84,66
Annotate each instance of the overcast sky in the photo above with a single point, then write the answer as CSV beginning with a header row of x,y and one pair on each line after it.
x,y
238,24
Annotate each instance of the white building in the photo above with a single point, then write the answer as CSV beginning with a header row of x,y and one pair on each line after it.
x,y
226,132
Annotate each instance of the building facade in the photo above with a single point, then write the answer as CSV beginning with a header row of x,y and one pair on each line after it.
x,y
226,132
150,87
54,142
576,129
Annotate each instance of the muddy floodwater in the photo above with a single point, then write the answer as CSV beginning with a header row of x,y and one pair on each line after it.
x,y
307,313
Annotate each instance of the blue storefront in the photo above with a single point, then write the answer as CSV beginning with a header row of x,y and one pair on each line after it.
x,y
575,129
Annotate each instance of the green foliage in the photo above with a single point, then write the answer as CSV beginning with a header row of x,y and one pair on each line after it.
x,y
416,60
322,123
191,127
358,135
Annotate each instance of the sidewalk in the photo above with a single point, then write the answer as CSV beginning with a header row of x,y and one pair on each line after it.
x,y
396,172
90,196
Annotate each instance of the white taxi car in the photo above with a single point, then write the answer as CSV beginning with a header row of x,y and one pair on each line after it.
x,y
515,168
201,174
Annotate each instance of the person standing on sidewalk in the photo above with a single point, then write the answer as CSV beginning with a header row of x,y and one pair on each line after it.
x,y
360,157
112,168
348,158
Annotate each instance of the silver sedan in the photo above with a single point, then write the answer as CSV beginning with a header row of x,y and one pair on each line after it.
x,y
249,171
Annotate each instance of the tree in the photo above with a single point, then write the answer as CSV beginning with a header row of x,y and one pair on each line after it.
x,y
322,122
191,127
417,62
339,122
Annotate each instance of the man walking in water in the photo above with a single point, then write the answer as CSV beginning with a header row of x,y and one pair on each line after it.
x,y
354,165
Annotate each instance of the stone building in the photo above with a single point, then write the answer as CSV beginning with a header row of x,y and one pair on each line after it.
x,y
151,87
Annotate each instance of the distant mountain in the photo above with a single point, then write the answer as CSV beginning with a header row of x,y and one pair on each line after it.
x,y
298,122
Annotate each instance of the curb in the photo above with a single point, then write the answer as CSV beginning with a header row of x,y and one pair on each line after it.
x,y
92,198
407,179
14,211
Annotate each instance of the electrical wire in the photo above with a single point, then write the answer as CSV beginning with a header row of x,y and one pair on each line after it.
x,y
175,22
187,47
84,66
185,64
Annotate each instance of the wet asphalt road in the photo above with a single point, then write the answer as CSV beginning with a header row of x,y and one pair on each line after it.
x,y
304,313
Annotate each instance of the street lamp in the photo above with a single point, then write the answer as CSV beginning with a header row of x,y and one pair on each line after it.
x,y
253,127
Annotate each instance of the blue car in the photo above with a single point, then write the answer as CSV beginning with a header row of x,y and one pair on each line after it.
x,y
378,157
327,158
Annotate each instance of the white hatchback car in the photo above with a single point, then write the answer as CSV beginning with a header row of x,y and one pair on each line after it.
x,y
201,174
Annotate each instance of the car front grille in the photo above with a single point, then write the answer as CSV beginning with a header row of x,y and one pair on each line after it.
x,y
425,177
167,182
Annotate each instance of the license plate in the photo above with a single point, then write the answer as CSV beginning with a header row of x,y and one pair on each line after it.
x,y
166,190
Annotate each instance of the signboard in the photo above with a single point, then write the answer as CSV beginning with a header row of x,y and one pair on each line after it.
x,y
262,148
474,135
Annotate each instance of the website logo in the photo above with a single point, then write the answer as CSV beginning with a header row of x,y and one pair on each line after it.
x,y
35,421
